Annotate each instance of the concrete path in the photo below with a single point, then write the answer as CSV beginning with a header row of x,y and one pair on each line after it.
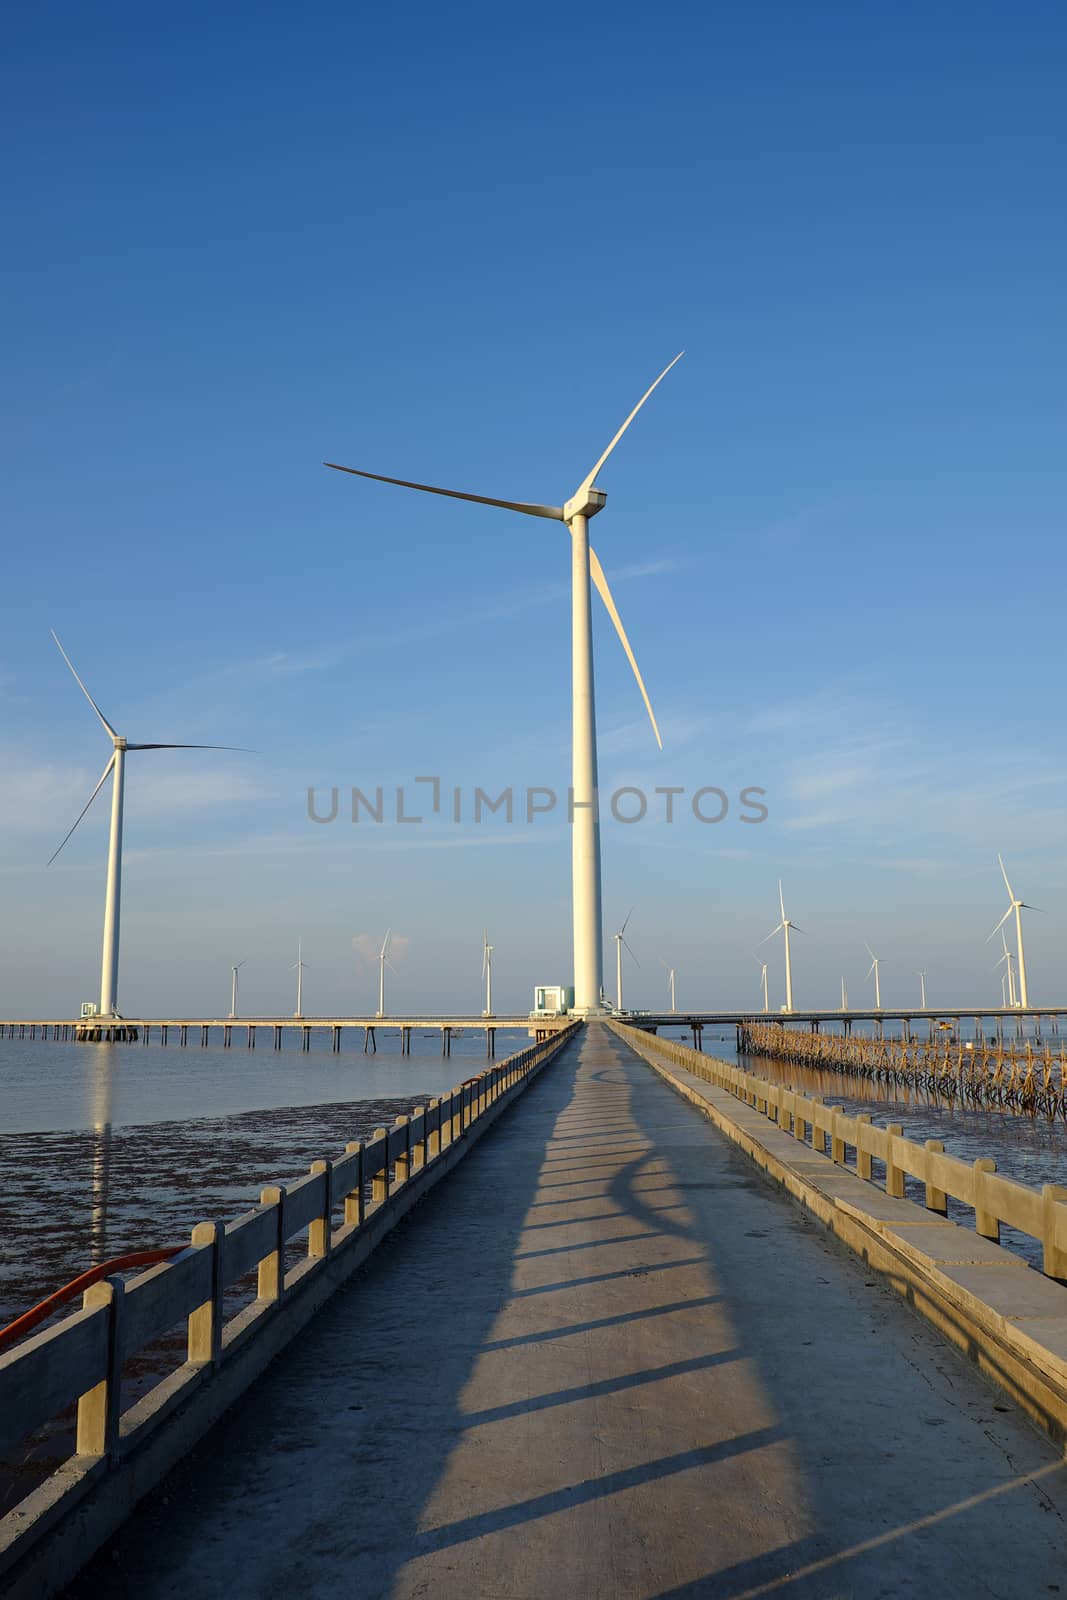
x,y
607,1360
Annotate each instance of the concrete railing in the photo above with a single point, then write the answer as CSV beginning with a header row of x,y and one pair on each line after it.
x,y
995,1201
81,1359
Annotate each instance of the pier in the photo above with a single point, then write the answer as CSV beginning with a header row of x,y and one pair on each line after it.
x,y
270,1032
653,1337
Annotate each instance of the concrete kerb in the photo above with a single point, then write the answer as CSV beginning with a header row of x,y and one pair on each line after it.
x,y
1008,1319
59,1526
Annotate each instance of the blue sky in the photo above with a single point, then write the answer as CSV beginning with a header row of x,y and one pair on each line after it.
x,y
456,244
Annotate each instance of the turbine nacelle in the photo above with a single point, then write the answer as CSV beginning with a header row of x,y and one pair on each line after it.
x,y
586,503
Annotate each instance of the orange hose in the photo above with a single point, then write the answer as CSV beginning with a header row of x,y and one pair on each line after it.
x,y
40,1313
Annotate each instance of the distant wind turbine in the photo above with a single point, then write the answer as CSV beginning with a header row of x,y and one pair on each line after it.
x,y
298,967
763,980
922,989
620,945
575,513
383,962
874,968
233,993
670,980
844,995
1018,907
783,928
487,973
109,969
1009,975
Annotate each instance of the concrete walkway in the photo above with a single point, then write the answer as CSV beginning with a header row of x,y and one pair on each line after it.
x,y
608,1360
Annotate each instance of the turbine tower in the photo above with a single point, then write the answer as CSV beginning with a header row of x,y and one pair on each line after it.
x,y
874,968
575,513
922,988
383,962
670,980
487,973
844,995
783,928
116,765
298,967
233,992
620,945
1018,907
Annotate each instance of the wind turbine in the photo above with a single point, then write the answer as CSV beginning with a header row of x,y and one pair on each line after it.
x,y
844,995
383,962
783,928
233,993
874,968
763,981
922,988
1009,975
1018,906
487,973
670,980
620,945
298,967
575,513
116,765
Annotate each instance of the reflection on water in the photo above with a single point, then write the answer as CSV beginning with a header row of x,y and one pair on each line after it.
x,y
102,1089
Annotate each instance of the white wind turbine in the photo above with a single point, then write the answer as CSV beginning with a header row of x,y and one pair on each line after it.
x,y
383,962
670,980
922,989
298,967
844,995
233,992
763,981
1009,975
783,928
116,764
1018,907
874,968
586,501
487,973
620,945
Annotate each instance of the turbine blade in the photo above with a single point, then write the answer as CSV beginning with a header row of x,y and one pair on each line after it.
x,y
596,572
1001,923
590,477
385,943
237,747
88,803
1024,905
525,506
626,924
773,931
797,928
627,947
781,899
868,949
1004,875
870,969
107,726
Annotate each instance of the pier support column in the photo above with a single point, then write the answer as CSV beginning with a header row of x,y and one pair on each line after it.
x,y
227,1032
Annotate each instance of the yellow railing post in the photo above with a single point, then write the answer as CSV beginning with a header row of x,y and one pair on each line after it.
x,y
271,1268
97,1432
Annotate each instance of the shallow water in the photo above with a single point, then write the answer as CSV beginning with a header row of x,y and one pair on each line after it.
x,y
49,1086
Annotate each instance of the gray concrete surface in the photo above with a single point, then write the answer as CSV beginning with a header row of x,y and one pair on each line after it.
x,y
607,1359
